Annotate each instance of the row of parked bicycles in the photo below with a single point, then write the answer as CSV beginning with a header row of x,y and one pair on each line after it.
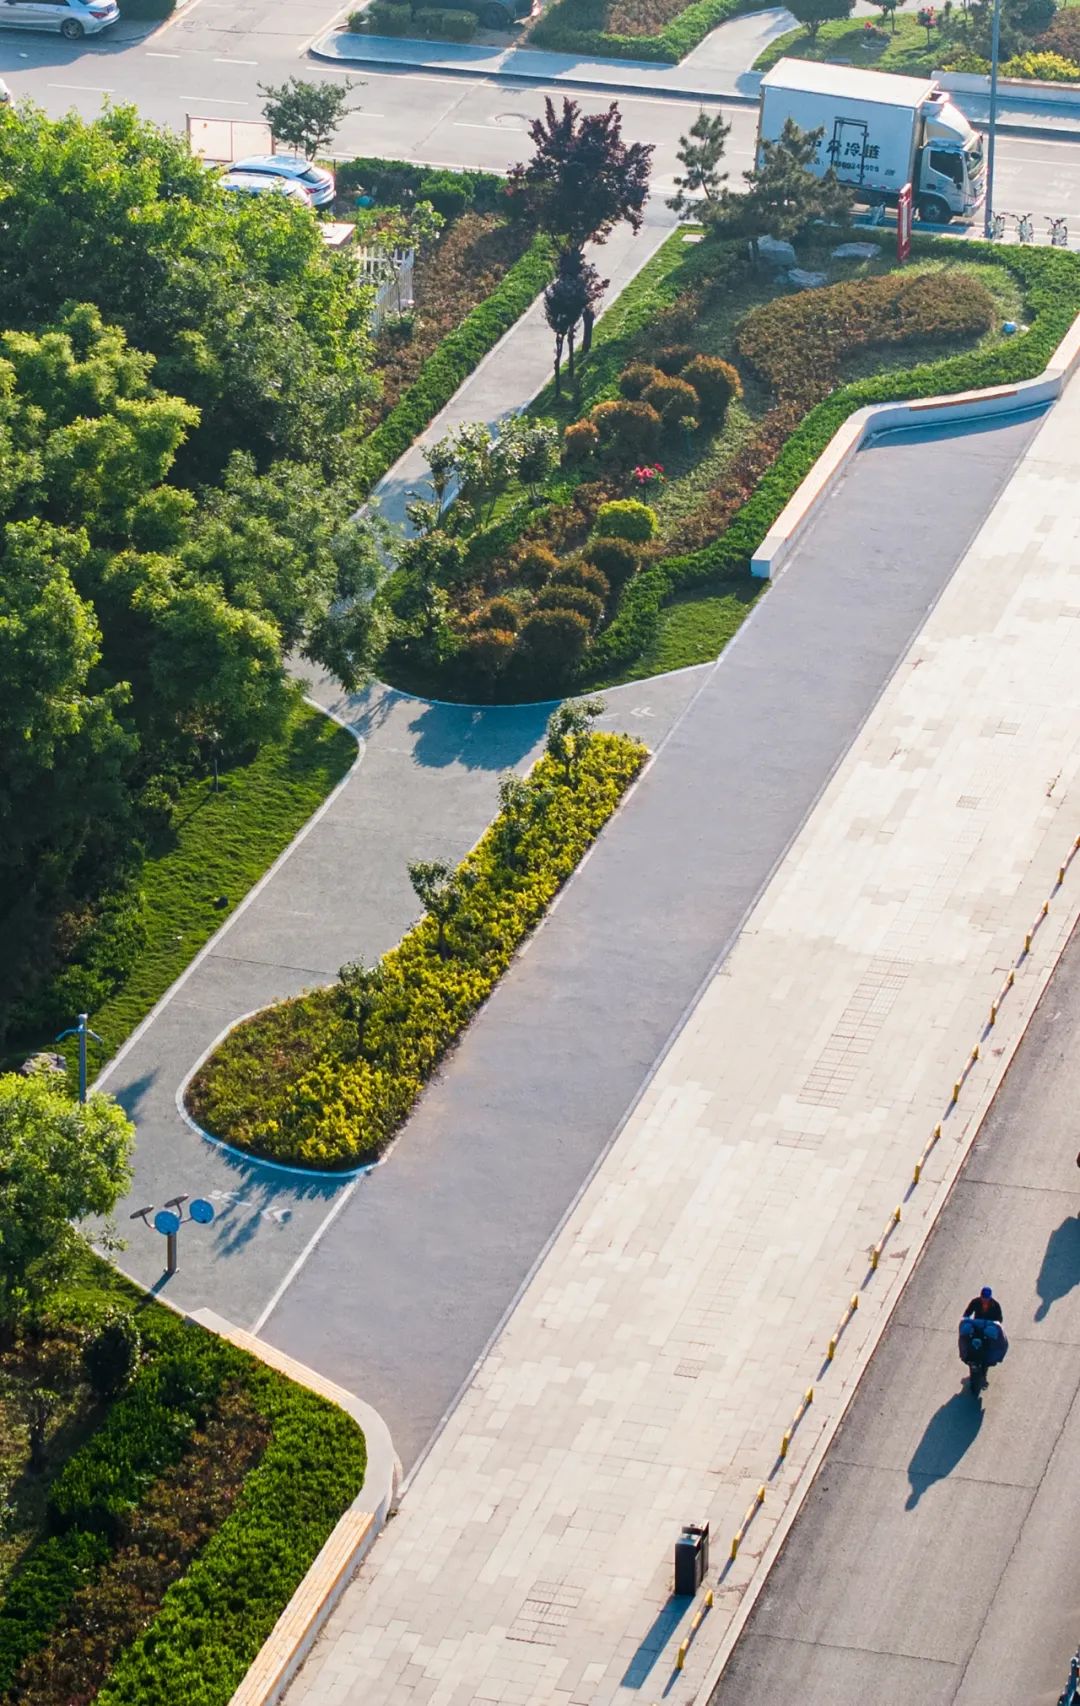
x,y
1025,228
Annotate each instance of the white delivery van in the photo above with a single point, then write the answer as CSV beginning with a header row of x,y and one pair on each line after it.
x,y
881,132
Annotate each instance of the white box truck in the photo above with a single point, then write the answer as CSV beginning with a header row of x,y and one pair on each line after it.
x,y
881,132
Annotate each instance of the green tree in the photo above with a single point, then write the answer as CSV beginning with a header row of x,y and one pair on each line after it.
x,y
306,115
783,196
443,893
574,292
887,8
62,1162
813,13
250,318
569,731
700,154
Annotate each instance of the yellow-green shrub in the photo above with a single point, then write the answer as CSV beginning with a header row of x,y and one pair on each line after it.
x,y
298,1083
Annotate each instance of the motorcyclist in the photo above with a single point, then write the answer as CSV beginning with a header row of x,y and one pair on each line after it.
x,y
985,1307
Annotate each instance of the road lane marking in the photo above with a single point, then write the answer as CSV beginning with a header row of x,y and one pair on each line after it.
x,y
89,88
150,55
279,1291
236,62
213,101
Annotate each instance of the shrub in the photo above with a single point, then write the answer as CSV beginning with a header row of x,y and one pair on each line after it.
x,y
581,27
627,430
385,18
498,613
1062,35
673,358
627,518
452,362
448,192
1042,68
964,60
213,1621
316,1103
560,596
111,1356
488,650
554,641
636,379
616,559
797,343
716,383
581,441
582,574
445,23
672,399
535,564
38,1593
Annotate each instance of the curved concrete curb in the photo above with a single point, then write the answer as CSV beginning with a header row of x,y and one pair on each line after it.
x,y
865,424
294,1633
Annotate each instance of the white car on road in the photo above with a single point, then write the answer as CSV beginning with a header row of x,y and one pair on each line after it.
x,y
262,183
316,181
72,18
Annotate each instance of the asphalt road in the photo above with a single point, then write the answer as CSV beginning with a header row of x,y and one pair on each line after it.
x,y
402,1292
937,1559
210,60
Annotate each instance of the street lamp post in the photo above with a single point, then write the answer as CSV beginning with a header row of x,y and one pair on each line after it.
x,y
995,43
82,1031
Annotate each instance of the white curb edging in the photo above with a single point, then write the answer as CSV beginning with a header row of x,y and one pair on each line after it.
x,y
866,423
353,1535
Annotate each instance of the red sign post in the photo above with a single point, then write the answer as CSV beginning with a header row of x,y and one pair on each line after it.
x,y
903,224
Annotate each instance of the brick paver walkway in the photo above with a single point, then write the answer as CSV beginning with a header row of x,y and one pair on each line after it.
x,y
655,1359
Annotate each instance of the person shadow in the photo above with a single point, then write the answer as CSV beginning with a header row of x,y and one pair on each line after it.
x,y
1060,1270
950,1433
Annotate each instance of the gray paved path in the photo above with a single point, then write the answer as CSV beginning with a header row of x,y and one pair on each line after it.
x,y
402,1294
937,1558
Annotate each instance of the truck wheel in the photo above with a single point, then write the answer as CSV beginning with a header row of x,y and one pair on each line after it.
x,y
933,211
494,17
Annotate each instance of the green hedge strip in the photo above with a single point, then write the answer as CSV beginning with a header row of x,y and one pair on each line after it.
x,y
456,357
41,1591
576,26
1051,280
213,1621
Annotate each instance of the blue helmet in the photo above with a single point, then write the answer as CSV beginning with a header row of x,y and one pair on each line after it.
x,y
986,1292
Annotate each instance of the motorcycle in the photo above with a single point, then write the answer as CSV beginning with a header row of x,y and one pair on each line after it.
x,y
982,1346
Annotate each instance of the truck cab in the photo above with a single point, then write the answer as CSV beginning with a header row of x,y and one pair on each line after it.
x,y
950,163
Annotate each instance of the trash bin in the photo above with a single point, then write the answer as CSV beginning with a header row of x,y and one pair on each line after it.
x,y
691,1558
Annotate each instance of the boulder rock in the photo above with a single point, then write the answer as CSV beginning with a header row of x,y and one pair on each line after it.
x,y
807,280
775,252
856,252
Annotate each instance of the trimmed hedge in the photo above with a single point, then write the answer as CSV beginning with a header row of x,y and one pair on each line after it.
x,y
577,26
453,361
38,1595
390,180
213,1621
308,1082
1051,281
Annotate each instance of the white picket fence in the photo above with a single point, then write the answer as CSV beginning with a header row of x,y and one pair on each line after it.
x,y
392,276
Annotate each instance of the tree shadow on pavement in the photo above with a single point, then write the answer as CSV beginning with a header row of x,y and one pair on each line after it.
x,y
1060,1270
949,1433
478,737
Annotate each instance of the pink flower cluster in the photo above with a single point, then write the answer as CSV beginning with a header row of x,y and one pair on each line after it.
x,y
649,474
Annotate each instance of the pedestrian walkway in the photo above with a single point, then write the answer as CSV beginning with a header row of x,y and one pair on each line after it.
x,y
655,1359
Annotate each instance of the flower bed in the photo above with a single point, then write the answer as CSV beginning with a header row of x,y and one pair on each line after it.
x,y
172,1523
325,1080
706,366
663,30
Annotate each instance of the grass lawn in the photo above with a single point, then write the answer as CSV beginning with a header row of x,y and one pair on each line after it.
x,y
847,42
695,627
220,845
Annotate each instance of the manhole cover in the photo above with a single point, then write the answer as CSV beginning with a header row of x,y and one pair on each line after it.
x,y
513,121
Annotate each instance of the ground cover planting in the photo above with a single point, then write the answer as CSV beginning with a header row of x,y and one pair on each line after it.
x,y
471,282
324,1080
1039,41
711,386
664,30
164,1496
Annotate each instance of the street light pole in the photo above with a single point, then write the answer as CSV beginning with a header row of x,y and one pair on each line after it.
x,y
82,1031
995,43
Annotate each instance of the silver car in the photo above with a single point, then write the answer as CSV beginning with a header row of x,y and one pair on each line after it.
x,y
262,183
315,180
73,19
